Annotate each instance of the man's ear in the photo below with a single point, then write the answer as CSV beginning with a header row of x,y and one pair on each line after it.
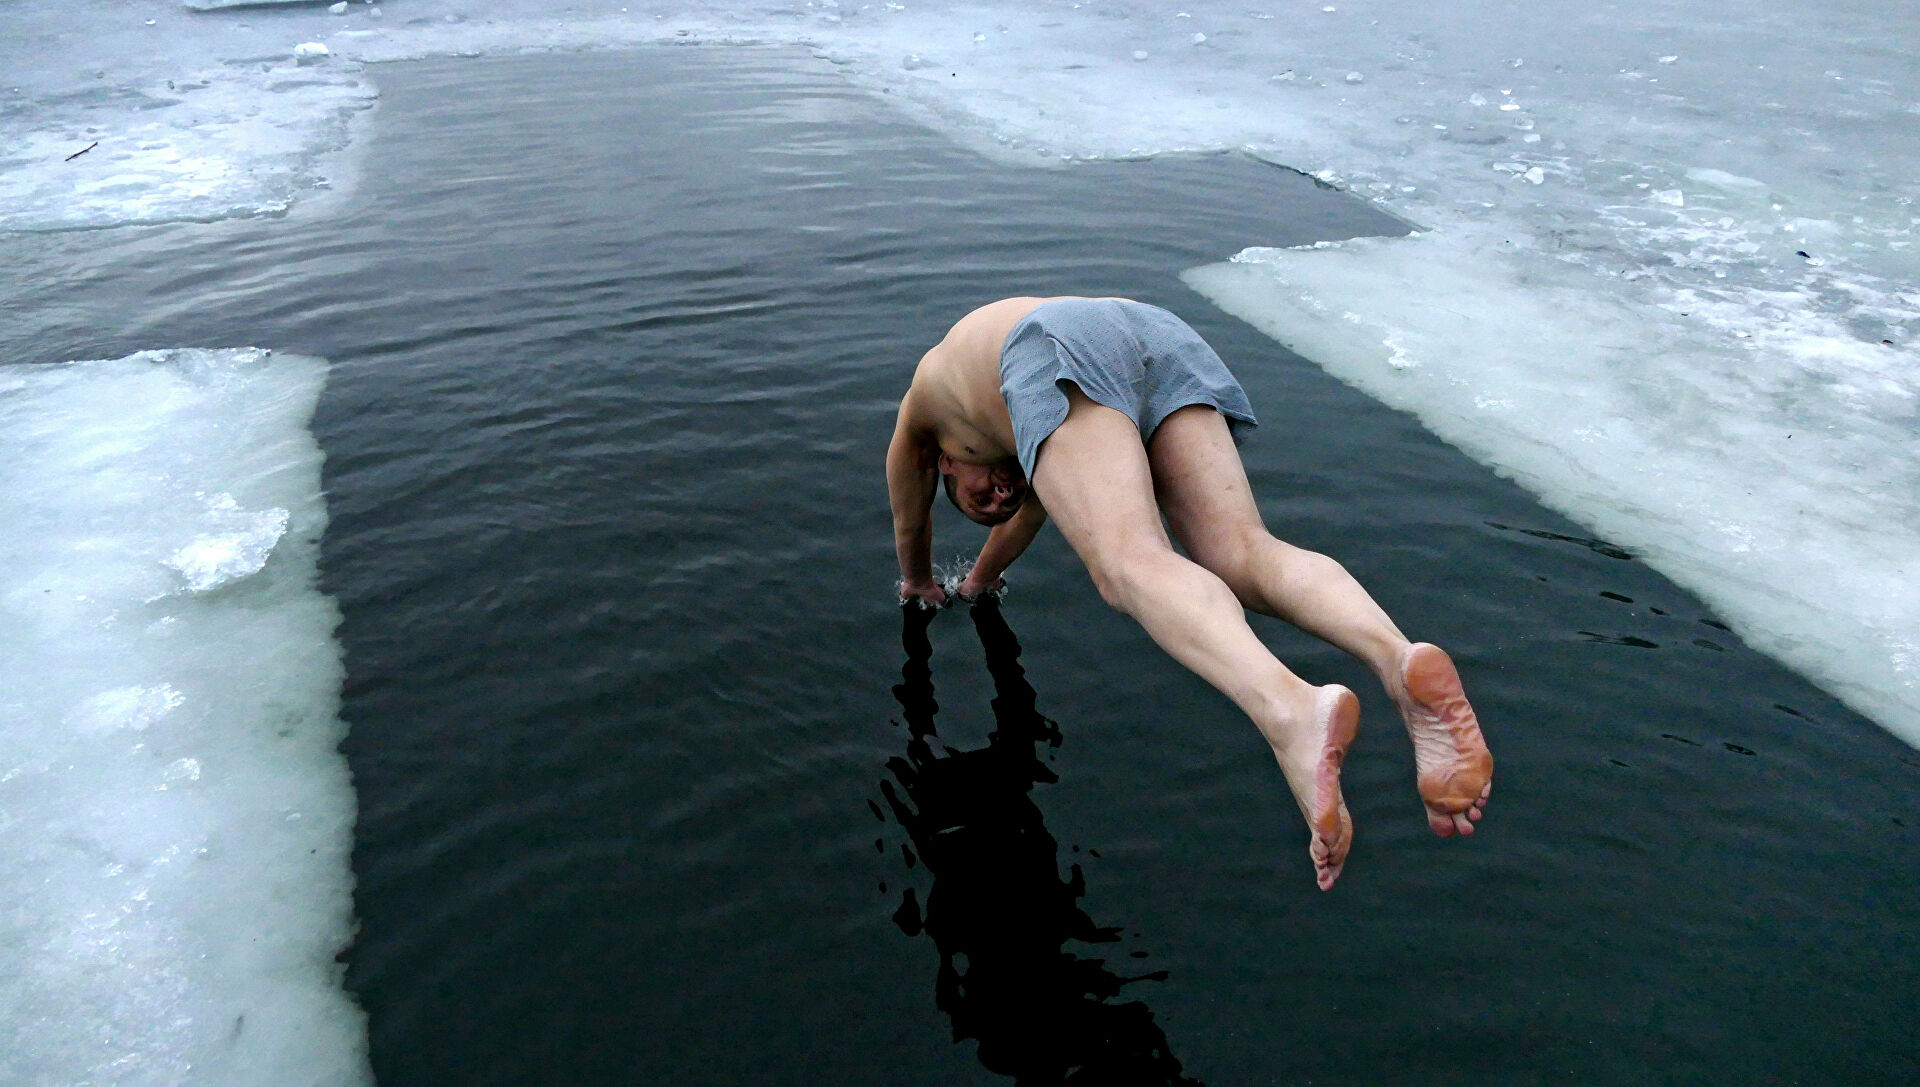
x,y
944,464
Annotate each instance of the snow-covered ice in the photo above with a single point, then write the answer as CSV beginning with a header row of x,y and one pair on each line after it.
x,y
1779,493
177,817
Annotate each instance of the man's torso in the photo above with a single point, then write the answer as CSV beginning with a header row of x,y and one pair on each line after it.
x,y
956,389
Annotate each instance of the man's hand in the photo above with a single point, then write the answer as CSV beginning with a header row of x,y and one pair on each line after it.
x,y
926,595
970,589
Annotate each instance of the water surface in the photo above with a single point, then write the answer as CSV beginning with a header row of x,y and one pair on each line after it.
x,y
616,343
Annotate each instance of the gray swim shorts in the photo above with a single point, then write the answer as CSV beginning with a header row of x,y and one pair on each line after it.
x,y
1130,356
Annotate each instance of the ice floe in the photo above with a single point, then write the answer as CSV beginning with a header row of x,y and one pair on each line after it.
x,y
178,818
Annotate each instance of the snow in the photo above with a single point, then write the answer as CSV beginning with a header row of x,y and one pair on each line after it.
x,y
177,816
1735,478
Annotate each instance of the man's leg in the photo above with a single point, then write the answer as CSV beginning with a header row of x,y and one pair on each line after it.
x,y
1094,478
1202,487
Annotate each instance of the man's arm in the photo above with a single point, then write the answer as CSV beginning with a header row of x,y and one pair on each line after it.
x,y
1004,544
912,476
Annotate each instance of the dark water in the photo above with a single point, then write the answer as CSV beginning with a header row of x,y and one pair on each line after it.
x,y
616,343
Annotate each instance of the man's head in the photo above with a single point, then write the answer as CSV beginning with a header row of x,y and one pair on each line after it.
x,y
987,493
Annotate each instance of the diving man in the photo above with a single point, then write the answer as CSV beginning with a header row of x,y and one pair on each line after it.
x,y
1115,413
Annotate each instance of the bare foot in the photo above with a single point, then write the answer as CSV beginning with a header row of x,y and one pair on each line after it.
x,y
1311,762
1456,769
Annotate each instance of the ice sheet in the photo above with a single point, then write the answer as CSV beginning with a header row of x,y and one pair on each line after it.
x,y
1737,478
177,817
1725,198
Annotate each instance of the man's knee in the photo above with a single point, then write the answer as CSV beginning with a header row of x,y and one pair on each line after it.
x,y
1239,556
1118,579
1129,582
1123,574
1111,587
1254,562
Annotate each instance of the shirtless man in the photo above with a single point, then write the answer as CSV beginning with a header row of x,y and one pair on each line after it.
x,y
1119,413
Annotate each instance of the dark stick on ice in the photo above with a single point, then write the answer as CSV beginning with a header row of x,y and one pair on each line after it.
x,y
82,151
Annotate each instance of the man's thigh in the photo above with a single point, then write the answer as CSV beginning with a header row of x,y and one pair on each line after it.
x,y
1201,484
1092,474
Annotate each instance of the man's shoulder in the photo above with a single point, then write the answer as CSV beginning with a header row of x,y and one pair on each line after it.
x,y
934,393
1003,314
975,339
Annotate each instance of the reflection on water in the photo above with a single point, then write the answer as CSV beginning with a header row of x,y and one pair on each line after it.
x,y
999,911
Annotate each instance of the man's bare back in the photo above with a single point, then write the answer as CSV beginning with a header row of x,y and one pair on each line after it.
x,y
1115,480
956,388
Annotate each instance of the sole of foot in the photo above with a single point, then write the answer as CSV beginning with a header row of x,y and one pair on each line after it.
x,y
1336,722
1455,767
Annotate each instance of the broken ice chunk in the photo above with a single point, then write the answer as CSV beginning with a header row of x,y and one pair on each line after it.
x,y
179,770
238,546
133,708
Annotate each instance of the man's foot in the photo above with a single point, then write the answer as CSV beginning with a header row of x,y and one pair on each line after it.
x,y
1311,762
1456,769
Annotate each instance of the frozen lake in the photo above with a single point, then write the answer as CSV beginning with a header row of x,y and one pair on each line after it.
x,y
612,347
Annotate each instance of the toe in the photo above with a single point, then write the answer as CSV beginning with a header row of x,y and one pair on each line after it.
x,y
1440,823
1326,863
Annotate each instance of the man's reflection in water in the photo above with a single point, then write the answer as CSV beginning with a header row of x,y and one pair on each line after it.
x,y
998,911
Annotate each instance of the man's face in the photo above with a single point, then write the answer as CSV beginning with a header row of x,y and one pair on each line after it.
x,y
987,494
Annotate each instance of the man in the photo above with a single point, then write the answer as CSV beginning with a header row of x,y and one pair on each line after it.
x,y
1115,413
